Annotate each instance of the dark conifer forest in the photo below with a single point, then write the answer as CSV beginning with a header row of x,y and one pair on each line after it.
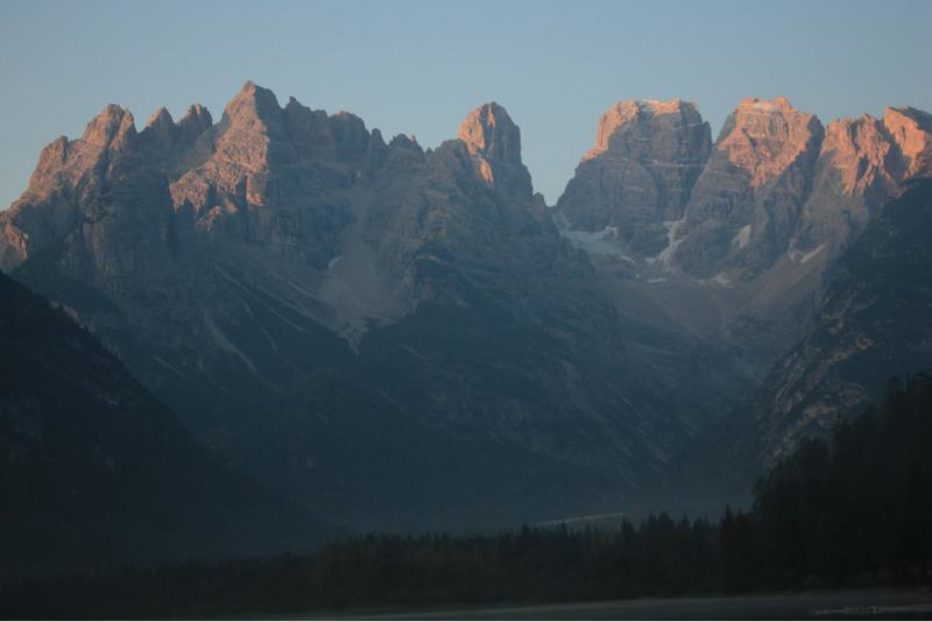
x,y
851,511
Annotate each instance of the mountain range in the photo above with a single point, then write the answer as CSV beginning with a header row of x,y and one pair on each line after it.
x,y
400,337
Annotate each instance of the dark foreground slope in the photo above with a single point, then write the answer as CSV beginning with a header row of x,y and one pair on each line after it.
x,y
853,514
94,470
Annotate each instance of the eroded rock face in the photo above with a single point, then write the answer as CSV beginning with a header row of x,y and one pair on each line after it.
x,y
745,207
858,168
640,174
863,163
494,145
911,129
776,187
875,324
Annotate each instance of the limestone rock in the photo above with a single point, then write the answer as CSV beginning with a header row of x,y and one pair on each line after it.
x,y
745,206
640,174
494,145
873,325
911,129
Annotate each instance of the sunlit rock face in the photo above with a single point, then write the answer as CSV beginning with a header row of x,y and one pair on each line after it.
x,y
640,173
745,206
863,163
776,186
494,145
911,129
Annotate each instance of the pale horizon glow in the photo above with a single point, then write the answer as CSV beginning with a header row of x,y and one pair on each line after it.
x,y
420,67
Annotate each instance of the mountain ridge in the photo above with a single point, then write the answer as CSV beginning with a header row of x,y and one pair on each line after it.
x,y
311,299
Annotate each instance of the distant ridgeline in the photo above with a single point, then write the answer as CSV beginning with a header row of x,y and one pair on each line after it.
x,y
856,512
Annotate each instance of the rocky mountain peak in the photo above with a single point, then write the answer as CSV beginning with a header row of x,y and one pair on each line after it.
x,y
198,117
640,174
161,128
912,131
626,114
160,118
860,150
253,108
764,137
490,132
494,143
114,127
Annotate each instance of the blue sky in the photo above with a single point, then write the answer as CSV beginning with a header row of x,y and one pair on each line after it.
x,y
419,67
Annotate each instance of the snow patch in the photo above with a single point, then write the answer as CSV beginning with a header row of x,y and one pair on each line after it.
x,y
665,257
803,258
221,340
743,237
604,242
721,279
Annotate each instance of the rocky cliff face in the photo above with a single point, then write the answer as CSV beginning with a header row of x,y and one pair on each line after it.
x,y
639,176
862,163
494,144
745,205
776,187
875,323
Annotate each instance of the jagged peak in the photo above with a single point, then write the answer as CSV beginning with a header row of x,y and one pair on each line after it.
x,y
160,117
489,131
295,106
251,91
911,128
250,104
195,122
403,141
852,131
920,119
196,111
859,148
112,127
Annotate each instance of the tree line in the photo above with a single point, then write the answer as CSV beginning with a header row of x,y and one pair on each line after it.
x,y
851,511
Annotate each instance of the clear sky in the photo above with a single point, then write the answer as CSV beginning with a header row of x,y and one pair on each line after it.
x,y
419,67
